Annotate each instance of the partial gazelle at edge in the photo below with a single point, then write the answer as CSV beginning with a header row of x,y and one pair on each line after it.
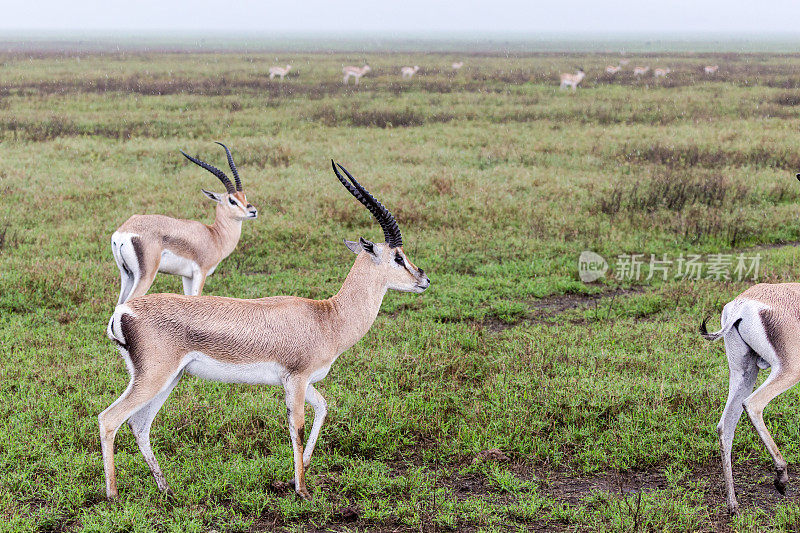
x,y
282,340
147,244
760,329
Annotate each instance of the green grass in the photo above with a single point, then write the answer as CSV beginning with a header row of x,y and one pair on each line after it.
x,y
499,181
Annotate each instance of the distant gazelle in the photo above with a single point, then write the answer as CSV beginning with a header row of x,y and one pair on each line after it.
x,y
624,62
282,340
612,69
572,80
408,72
711,69
661,72
457,65
640,71
355,72
279,71
147,244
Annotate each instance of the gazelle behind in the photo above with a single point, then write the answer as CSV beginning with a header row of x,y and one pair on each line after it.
x,y
612,69
283,340
572,80
355,72
147,244
640,71
279,71
457,65
408,72
661,72
711,69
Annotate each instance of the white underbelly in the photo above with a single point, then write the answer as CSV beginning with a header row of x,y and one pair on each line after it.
x,y
263,373
176,265
319,374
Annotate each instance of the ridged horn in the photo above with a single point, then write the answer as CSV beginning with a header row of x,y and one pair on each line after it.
x,y
391,231
233,167
214,170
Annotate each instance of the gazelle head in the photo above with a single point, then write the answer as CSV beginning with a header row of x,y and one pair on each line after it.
x,y
233,203
387,258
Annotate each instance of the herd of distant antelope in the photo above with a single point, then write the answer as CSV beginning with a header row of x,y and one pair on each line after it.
x,y
567,79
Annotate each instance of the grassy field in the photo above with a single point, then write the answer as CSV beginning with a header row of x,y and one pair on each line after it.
x,y
601,398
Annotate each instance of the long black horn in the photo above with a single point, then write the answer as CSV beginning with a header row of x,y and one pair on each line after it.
x,y
214,170
233,167
391,231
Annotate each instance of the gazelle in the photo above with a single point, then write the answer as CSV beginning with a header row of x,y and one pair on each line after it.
x,y
572,80
661,72
640,71
457,65
279,71
761,329
356,72
612,69
408,72
283,340
711,69
147,244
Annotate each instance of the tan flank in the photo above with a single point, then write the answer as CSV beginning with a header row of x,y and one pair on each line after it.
x,y
147,244
711,69
282,340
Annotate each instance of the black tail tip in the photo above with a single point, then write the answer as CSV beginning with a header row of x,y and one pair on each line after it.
x,y
703,330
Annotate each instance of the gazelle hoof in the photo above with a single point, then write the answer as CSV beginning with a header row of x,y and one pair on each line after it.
x,y
733,510
303,493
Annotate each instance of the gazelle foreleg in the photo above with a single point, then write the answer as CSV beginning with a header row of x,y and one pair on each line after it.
x,y
320,406
140,423
743,371
193,286
779,381
295,388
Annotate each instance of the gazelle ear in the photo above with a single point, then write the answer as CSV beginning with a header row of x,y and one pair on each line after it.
x,y
214,196
367,246
353,246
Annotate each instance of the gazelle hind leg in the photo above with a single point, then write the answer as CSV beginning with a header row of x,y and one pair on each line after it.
x,y
137,395
320,406
140,423
780,380
743,372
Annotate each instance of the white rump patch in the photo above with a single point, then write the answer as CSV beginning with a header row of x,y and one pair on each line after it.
x,y
114,330
206,367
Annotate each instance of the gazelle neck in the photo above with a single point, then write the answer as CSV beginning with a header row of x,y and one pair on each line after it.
x,y
225,231
357,303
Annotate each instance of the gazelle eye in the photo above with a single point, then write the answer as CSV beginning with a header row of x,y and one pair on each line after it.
x,y
399,259
232,202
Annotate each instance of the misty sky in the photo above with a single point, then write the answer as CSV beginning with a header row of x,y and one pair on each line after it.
x,y
771,16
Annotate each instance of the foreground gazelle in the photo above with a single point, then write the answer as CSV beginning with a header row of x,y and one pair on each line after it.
x,y
147,244
661,72
711,69
356,72
283,340
760,330
279,71
640,71
408,72
572,80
